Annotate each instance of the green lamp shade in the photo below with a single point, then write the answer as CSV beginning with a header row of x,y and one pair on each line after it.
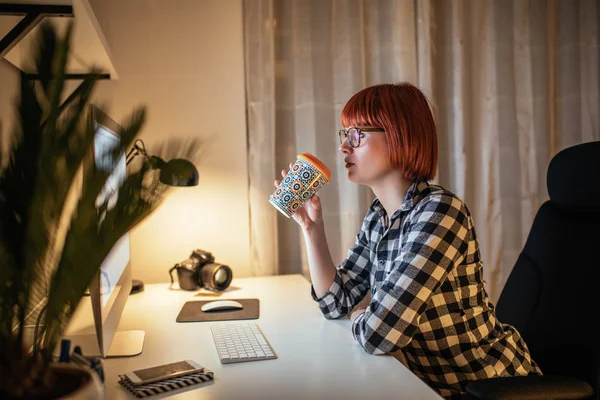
x,y
179,172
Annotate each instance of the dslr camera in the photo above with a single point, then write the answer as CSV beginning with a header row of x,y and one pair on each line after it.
x,y
201,270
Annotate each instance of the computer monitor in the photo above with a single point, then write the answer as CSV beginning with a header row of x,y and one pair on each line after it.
x,y
110,288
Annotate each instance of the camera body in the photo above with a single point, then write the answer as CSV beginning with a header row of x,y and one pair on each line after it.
x,y
200,270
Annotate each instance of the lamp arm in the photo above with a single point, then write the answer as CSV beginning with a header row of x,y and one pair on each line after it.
x,y
135,150
140,148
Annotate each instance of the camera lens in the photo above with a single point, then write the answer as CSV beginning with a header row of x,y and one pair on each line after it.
x,y
216,276
221,276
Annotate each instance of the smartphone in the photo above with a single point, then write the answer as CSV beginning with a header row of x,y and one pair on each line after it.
x,y
161,372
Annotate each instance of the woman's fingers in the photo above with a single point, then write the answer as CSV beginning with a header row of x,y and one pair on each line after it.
x,y
283,174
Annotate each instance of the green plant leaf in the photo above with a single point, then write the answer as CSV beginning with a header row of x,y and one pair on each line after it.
x,y
53,235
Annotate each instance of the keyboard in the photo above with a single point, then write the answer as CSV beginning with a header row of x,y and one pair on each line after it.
x,y
241,342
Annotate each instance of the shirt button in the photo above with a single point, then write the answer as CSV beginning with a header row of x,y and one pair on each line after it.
x,y
381,262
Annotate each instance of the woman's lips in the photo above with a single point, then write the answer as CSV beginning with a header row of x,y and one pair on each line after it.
x,y
348,165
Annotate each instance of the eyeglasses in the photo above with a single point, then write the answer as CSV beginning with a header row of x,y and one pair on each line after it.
x,y
353,134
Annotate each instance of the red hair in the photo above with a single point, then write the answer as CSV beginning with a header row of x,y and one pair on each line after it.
x,y
404,112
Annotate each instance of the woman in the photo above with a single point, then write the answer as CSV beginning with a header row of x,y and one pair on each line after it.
x,y
417,252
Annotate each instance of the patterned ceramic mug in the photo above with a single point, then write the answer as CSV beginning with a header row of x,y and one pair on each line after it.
x,y
303,180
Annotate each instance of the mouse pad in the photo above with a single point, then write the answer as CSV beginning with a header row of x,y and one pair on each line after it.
x,y
191,312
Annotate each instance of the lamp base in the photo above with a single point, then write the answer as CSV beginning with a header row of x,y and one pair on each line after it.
x,y
136,286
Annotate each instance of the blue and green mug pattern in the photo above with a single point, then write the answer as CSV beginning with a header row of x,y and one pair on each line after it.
x,y
303,180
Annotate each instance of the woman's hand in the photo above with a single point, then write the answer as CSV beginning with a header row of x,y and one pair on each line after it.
x,y
309,215
357,312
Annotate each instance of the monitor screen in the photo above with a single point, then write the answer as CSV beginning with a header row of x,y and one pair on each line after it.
x,y
105,141
110,289
111,286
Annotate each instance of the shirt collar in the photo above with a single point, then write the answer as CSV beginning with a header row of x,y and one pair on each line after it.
x,y
413,195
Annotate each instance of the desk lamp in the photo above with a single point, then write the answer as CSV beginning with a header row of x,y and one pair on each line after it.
x,y
176,172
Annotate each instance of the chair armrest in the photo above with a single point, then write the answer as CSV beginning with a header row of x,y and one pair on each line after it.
x,y
530,387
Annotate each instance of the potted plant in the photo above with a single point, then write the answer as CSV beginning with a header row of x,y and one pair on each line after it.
x,y
44,260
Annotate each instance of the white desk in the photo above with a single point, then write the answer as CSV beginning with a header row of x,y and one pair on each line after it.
x,y
317,358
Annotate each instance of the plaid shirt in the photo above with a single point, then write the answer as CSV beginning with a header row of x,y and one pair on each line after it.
x,y
427,294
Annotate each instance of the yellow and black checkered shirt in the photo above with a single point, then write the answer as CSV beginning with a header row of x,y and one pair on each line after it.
x,y
424,272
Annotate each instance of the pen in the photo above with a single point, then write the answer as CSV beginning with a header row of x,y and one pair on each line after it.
x,y
96,365
77,350
79,359
65,347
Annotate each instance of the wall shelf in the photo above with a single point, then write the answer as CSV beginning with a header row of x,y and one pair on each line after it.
x,y
88,48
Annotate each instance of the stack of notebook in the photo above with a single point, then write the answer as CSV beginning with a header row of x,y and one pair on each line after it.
x,y
167,385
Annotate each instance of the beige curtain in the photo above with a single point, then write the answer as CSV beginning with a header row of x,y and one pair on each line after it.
x,y
512,83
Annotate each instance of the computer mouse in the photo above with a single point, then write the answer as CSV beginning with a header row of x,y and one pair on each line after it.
x,y
221,305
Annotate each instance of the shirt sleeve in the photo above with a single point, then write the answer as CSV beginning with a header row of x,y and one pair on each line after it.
x,y
351,281
435,241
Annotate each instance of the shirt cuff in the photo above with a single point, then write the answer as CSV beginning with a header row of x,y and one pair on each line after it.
x,y
330,296
356,327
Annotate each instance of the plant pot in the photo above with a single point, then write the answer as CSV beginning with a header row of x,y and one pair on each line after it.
x,y
76,382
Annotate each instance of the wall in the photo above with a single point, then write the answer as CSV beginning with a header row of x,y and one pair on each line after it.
x,y
184,60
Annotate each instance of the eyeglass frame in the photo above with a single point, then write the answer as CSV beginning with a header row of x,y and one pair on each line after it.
x,y
343,134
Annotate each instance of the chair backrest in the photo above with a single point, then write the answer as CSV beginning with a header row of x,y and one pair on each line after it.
x,y
552,295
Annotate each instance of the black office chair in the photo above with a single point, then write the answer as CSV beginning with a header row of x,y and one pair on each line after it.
x,y
552,295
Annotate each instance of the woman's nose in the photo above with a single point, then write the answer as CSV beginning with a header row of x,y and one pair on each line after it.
x,y
345,147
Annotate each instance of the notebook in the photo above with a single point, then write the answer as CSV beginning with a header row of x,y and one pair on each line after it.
x,y
166,385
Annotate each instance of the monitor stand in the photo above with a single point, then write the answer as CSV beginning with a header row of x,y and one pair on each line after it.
x,y
124,344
